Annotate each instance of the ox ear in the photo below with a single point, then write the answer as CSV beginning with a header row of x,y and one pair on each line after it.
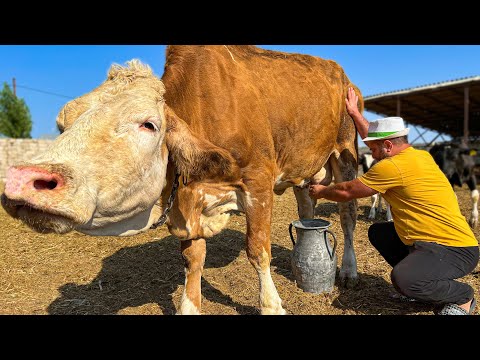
x,y
194,157
69,113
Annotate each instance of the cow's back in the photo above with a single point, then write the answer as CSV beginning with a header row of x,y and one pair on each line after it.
x,y
268,104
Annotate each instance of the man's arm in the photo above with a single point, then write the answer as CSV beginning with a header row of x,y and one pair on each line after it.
x,y
341,192
351,103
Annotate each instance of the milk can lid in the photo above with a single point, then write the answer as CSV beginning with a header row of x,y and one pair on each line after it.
x,y
311,224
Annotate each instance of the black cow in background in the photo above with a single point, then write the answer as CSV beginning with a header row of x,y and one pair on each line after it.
x,y
367,161
458,165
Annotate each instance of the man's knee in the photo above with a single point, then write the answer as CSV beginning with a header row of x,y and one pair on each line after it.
x,y
373,233
399,281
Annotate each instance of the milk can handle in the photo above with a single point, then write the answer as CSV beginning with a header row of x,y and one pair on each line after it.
x,y
334,244
291,234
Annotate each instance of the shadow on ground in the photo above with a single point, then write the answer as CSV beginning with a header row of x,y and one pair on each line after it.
x,y
326,209
148,273
371,296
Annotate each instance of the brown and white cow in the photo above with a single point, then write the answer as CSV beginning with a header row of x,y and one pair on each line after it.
x,y
237,122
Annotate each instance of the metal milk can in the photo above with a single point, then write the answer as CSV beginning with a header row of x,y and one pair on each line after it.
x,y
313,259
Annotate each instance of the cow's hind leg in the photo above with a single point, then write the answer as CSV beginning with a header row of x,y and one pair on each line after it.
x,y
259,216
472,185
193,253
344,168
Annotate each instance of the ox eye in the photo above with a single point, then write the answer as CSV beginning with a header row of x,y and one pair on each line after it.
x,y
149,126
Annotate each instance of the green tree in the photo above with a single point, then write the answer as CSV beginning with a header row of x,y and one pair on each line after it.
x,y
15,118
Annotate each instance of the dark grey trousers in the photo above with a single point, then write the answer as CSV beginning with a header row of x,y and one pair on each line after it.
x,y
426,270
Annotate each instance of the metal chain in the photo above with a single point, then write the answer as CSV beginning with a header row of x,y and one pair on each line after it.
x,y
170,201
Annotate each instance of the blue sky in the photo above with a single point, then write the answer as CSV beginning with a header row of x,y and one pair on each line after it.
x,y
47,76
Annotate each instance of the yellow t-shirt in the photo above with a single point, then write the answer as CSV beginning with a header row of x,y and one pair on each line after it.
x,y
423,203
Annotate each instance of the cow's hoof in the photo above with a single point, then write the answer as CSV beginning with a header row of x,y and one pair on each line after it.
x,y
270,311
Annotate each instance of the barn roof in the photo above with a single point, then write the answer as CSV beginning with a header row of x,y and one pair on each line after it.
x,y
439,107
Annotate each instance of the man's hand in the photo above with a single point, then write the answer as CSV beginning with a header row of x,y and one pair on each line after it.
x,y
315,190
340,192
351,103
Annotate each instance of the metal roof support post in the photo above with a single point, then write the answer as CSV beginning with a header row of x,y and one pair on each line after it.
x,y
466,106
399,108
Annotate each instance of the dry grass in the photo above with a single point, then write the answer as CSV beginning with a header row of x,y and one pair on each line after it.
x,y
143,274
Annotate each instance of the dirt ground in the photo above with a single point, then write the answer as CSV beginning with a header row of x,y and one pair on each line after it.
x,y
143,274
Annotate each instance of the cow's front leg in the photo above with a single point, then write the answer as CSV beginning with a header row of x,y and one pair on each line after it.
x,y
259,217
193,253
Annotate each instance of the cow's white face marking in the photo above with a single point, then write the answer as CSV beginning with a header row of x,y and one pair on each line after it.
x,y
112,158
137,156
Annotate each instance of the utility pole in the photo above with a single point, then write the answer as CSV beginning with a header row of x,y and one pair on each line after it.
x,y
14,87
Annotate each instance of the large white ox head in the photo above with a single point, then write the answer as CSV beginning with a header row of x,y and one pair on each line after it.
x,y
105,172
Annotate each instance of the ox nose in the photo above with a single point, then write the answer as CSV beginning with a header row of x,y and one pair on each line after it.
x,y
28,179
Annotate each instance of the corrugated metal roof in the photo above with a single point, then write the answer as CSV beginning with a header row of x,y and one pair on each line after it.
x,y
426,87
439,107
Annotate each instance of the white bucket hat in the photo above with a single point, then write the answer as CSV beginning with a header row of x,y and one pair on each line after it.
x,y
387,128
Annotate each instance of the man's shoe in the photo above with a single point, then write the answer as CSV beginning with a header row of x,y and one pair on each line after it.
x,y
454,309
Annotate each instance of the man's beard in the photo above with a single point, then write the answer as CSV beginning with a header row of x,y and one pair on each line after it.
x,y
383,154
